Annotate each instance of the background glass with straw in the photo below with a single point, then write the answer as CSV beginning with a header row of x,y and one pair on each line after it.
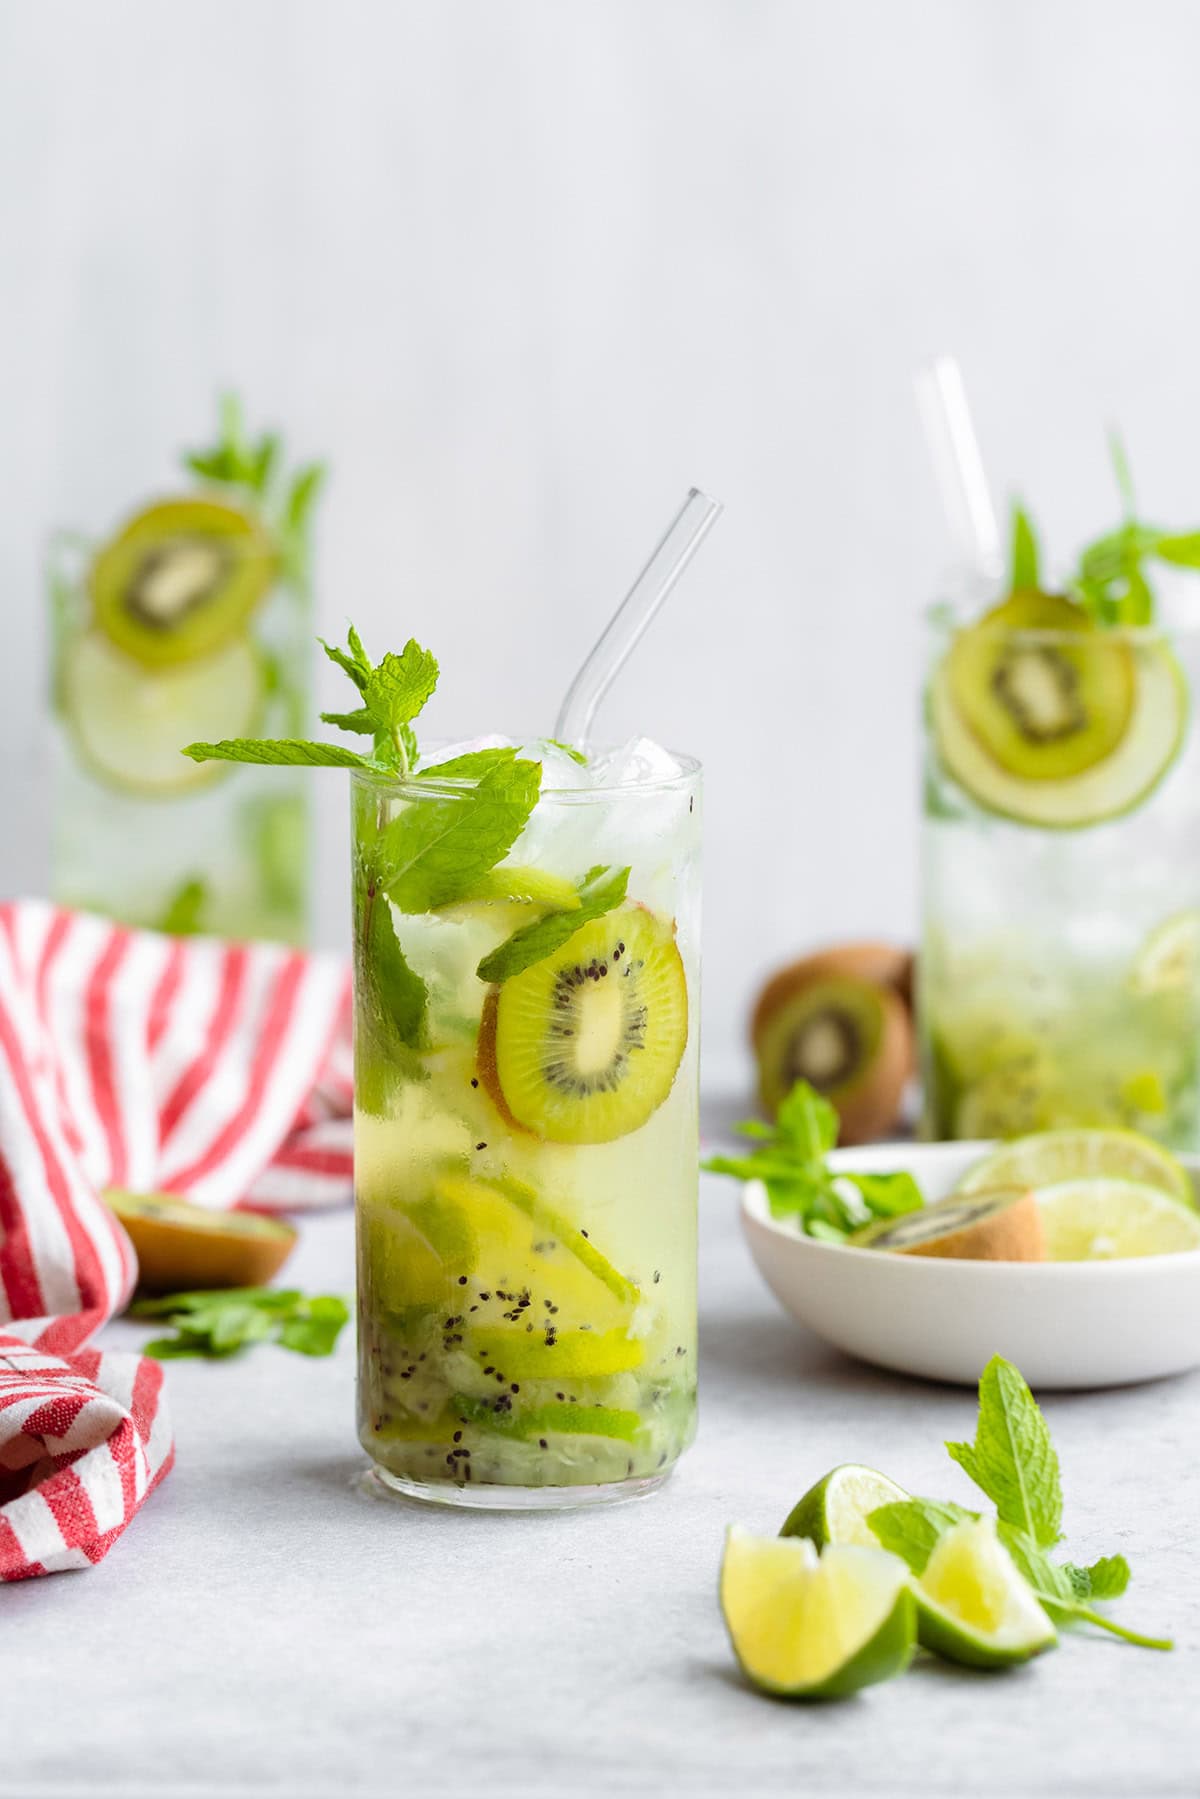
x,y
526,1171
1059,966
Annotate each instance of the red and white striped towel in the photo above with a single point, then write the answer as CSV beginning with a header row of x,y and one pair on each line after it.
x,y
129,1059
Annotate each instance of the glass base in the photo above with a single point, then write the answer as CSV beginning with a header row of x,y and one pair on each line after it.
x,y
381,1483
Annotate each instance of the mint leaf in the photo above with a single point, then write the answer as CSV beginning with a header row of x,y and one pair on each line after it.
x,y
601,890
1181,552
887,1195
568,749
807,1123
220,1323
1105,1579
394,692
910,1528
432,852
399,997
361,721
183,913
289,751
1025,560
1012,1459
355,662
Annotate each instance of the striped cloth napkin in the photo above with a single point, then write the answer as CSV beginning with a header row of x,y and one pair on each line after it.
x,y
128,1059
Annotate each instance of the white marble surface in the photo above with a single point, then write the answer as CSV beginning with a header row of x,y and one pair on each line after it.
x,y
265,1629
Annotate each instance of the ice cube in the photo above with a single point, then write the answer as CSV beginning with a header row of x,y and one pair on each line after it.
x,y
634,763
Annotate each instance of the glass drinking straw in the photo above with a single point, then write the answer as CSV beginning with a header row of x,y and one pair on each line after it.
x,y
628,624
958,467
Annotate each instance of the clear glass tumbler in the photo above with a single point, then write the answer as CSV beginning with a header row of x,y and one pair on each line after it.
x,y
191,619
526,1147
1059,972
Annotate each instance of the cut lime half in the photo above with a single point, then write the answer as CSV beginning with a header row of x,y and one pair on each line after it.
x,y
1106,788
130,724
809,1626
1105,1220
835,1510
1054,1156
975,1606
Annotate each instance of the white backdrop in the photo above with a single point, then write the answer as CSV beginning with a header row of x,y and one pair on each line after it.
x,y
524,269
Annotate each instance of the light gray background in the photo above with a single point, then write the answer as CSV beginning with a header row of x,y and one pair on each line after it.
x,y
526,270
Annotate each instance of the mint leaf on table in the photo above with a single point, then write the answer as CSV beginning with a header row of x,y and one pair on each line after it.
x,y
789,1159
1012,1459
1054,1586
1106,1578
601,890
910,1528
431,853
218,1324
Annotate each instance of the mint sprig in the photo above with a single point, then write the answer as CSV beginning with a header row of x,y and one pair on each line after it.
x,y
1014,1463
255,466
790,1161
220,1323
601,890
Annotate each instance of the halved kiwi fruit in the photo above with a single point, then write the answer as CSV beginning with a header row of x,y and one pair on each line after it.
x,y
848,1038
182,1247
584,1046
130,723
180,579
882,964
1045,718
1003,1226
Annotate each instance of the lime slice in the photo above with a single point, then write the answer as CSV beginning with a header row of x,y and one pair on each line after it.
x,y
1116,783
1170,957
130,724
1054,1156
1101,1220
809,1626
512,883
835,1509
975,1607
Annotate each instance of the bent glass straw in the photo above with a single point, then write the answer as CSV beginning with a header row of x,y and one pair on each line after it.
x,y
628,624
958,465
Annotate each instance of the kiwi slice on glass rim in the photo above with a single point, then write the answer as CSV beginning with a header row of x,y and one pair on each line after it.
x,y
850,1039
1045,718
584,1046
180,579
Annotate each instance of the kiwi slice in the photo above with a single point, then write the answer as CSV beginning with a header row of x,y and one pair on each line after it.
x,y
180,579
850,1039
1046,719
1004,1226
129,723
584,1046
182,1247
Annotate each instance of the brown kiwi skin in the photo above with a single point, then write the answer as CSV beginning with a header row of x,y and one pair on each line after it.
x,y
485,1062
174,1257
871,1108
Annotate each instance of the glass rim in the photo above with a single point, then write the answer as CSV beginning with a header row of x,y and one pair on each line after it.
x,y
425,784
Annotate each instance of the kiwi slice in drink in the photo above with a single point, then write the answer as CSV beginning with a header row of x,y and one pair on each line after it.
x,y
180,579
584,1046
1046,719
848,1038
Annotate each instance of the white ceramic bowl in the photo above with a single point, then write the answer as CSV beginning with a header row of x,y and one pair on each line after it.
x,y
1064,1324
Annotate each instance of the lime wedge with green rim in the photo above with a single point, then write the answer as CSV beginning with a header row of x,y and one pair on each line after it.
x,y
1054,1156
1056,696
129,724
1169,960
809,1626
975,1606
1102,1220
835,1509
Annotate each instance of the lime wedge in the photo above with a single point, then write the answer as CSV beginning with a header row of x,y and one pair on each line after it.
x,y
975,1606
1170,957
1101,1220
809,1626
835,1509
129,724
1054,1156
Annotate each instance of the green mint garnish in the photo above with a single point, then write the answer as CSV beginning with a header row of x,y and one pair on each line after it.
x,y
284,751
220,1323
431,853
790,1161
600,891
255,467
1014,1463
568,749
1025,560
